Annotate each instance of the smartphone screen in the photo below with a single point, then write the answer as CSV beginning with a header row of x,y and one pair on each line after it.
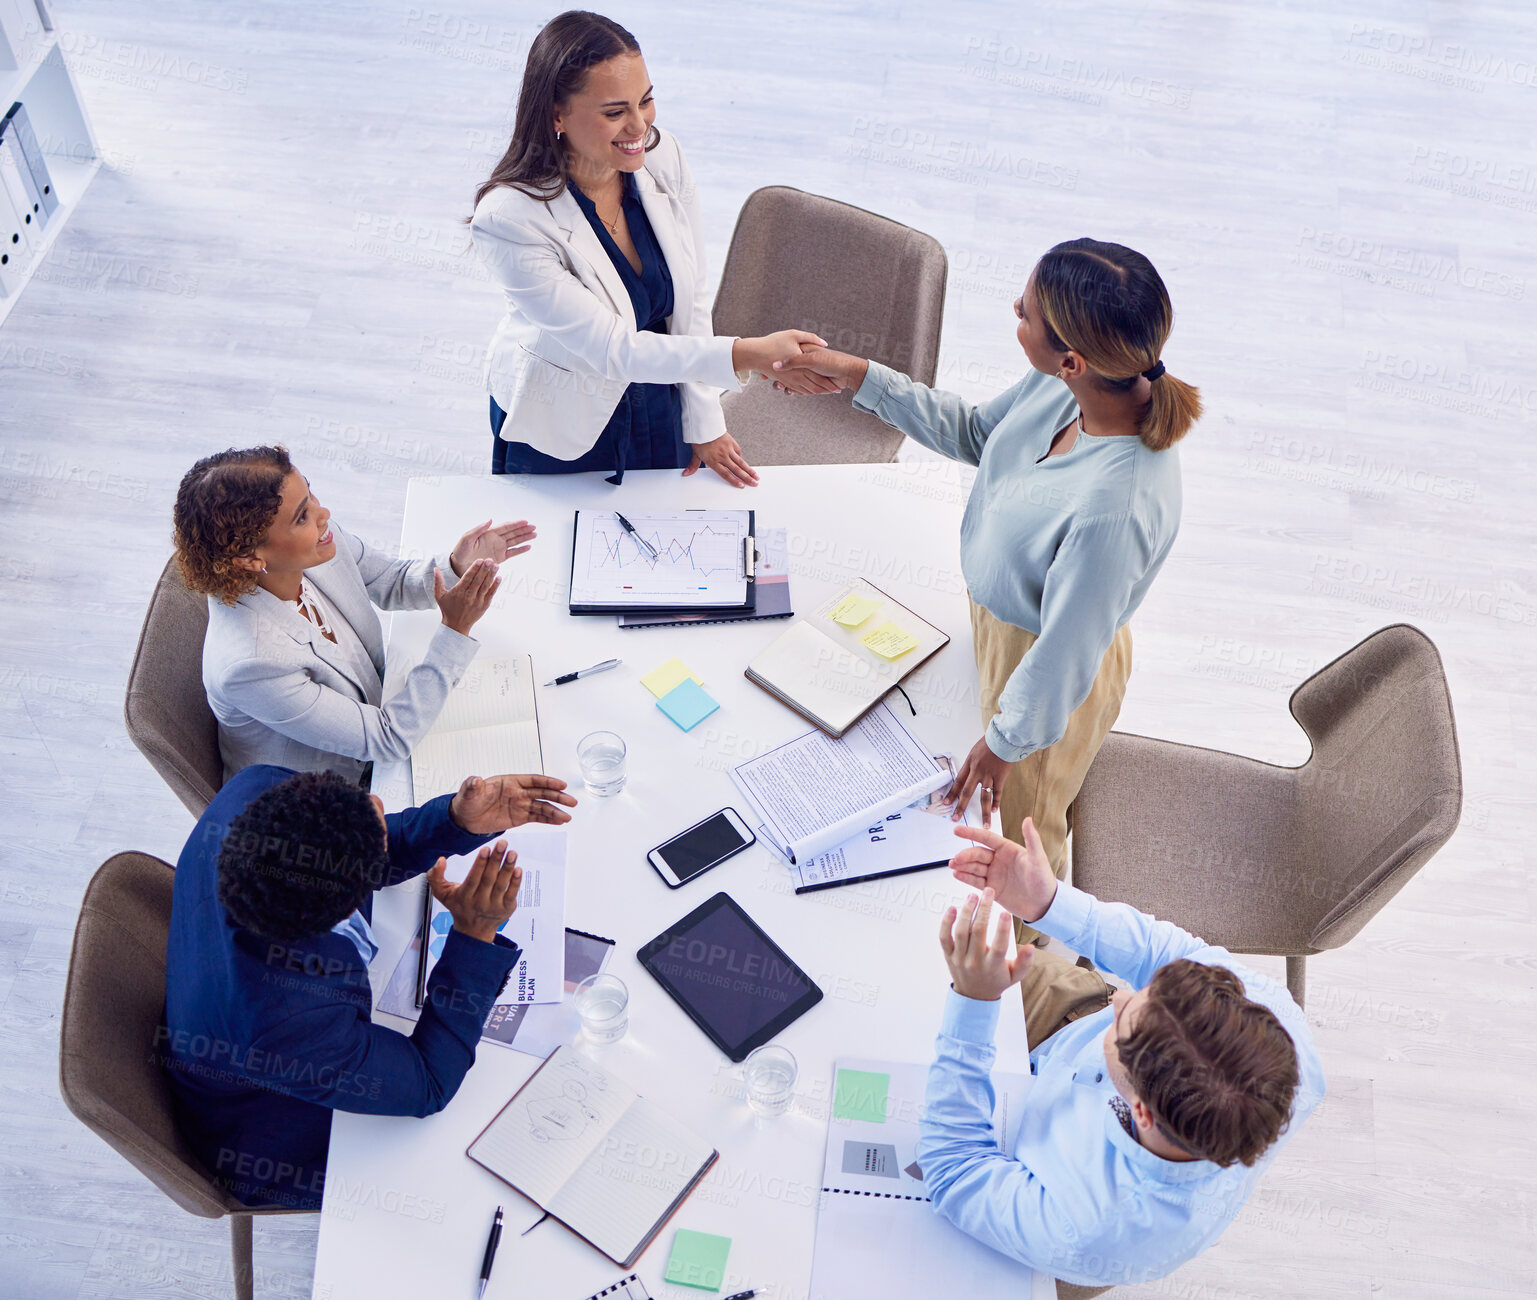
x,y
701,847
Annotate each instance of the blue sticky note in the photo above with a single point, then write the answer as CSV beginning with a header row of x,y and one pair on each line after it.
x,y
687,704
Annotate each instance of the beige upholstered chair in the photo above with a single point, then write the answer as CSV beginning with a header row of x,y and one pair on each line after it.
x,y
867,285
109,1071
1284,860
166,709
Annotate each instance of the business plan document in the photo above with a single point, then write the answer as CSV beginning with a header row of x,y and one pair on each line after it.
x,y
815,792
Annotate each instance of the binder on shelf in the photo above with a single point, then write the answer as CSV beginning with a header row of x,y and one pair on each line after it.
x,y
18,179
15,242
18,125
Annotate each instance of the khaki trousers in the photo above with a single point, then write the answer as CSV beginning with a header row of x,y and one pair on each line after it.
x,y
1044,784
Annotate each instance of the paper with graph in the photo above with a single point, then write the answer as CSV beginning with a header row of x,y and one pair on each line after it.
x,y
700,560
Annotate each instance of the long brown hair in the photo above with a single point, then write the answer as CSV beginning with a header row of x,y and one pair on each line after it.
x,y
567,48
1217,1070
1107,303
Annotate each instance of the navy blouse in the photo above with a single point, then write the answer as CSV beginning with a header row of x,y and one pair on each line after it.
x,y
646,428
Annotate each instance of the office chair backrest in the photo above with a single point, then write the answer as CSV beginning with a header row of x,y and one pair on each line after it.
x,y
114,1006
865,283
166,708
1382,791
868,285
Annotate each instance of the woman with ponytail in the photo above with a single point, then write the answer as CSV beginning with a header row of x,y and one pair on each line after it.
x,y
1074,510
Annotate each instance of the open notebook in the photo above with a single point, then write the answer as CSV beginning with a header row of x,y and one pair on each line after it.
x,y
587,1149
877,1231
838,663
489,724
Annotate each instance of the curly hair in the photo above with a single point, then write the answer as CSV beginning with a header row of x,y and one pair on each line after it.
x,y
1217,1069
224,507
301,856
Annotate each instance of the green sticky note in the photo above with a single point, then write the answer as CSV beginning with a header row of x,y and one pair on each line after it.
x,y
698,1259
861,1095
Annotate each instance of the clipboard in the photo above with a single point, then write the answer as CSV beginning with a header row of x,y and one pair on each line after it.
x,y
693,555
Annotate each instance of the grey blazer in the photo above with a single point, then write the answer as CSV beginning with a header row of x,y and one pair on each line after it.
x,y
284,694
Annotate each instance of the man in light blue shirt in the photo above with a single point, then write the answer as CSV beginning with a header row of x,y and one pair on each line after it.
x,y
1149,1121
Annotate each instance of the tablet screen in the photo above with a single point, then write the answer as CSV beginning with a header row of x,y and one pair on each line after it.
x,y
733,980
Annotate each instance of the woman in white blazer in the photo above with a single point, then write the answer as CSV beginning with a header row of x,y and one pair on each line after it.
x,y
293,659
605,359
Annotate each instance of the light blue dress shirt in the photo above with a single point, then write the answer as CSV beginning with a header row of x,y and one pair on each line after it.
x,y
1079,1197
1065,548
355,928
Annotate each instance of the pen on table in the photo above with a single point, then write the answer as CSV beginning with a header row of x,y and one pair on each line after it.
x,y
491,1245
742,1295
639,540
585,672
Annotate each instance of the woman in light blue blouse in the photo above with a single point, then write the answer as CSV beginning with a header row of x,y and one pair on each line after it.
x,y
1074,510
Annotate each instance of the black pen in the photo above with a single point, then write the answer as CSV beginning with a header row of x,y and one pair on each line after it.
x,y
491,1245
639,540
742,1295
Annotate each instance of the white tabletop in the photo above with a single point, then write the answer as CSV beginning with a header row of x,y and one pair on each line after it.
x,y
406,1212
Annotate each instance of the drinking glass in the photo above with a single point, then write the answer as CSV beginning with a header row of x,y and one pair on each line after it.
x,y
770,1074
601,757
603,1003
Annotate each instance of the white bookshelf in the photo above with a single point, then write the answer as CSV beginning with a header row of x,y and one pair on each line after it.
x,y
44,83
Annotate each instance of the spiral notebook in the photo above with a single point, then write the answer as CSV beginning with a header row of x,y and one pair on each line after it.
x,y
626,1288
877,1232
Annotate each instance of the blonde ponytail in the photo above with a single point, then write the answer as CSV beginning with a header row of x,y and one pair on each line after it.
x,y
1174,407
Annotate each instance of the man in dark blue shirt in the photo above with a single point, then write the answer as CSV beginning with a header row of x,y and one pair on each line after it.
x,y
268,1005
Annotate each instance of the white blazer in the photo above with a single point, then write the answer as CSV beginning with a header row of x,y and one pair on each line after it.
x,y
568,345
285,694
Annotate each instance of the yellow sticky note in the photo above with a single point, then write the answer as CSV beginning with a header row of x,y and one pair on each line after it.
x,y
889,641
661,680
853,609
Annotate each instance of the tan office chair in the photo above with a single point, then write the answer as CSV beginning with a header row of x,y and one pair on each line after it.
x,y
1284,860
109,1071
166,708
867,285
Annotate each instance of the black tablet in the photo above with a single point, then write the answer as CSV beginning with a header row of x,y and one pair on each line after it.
x,y
734,982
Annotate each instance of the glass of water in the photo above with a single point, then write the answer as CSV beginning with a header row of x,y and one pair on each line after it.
x,y
770,1074
603,1003
601,756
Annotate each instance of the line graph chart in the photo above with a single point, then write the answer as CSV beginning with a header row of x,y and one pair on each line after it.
x,y
698,560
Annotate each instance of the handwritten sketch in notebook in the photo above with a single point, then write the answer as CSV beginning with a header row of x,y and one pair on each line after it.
x,y
562,1107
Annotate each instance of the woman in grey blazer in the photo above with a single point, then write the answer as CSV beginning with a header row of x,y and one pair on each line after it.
x,y
293,659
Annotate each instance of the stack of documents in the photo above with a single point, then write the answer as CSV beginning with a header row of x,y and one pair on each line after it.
x,y
814,792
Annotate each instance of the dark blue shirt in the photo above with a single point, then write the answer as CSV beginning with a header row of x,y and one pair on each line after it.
x,y
264,1039
646,428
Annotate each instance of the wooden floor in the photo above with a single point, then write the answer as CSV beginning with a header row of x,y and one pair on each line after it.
x,y
1342,206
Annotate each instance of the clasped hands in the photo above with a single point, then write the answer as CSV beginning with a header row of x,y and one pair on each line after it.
x,y
1021,882
481,903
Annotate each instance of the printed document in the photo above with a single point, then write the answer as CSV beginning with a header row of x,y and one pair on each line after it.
x,y
815,792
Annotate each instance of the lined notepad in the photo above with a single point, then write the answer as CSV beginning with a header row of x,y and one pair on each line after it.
x,y
584,1146
489,725
834,666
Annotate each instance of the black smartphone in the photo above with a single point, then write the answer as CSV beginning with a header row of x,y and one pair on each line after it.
x,y
704,845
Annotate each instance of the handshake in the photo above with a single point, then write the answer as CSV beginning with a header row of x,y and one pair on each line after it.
x,y
799,362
